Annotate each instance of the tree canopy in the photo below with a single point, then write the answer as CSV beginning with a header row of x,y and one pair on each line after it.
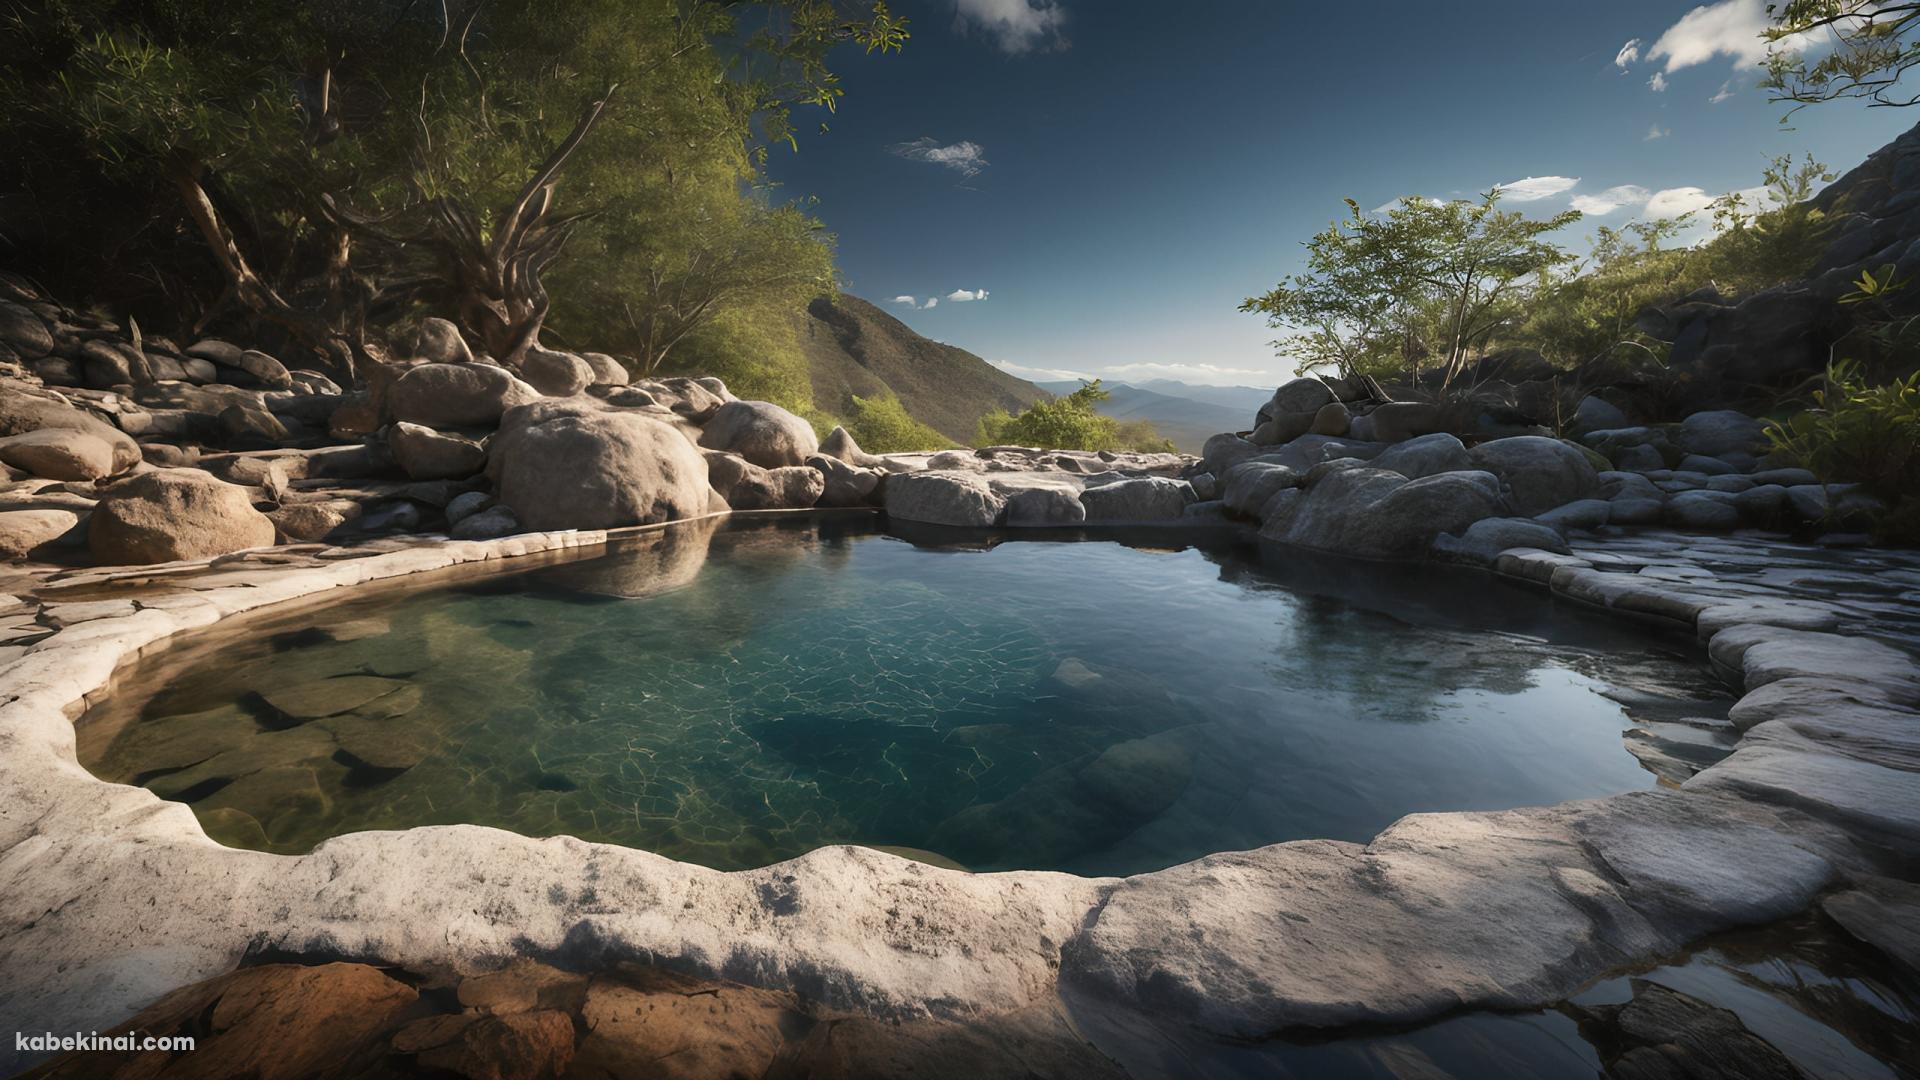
x,y
1870,45
338,165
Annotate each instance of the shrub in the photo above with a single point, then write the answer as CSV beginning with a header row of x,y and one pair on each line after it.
x,y
1862,433
882,425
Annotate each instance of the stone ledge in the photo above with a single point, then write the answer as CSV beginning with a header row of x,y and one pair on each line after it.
x,y
110,896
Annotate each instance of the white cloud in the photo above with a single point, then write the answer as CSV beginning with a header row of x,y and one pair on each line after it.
x,y
1039,372
962,296
1628,54
1730,28
1614,198
907,300
965,157
1656,132
1016,26
914,302
1535,188
932,302
1200,374
1658,83
1725,92
1673,202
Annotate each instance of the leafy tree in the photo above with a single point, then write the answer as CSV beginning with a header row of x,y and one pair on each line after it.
x,y
1069,422
1760,247
1589,310
347,162
1872,44
1426,277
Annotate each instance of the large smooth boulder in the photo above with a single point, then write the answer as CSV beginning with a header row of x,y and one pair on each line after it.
x,y
29,534
762,432
839,444
1484,540
688,397
597,470
22,411
554,373
1721,432
747,486
1252,484
59,454
456,395
606,370
24,332
1539,473
172,514
1303,395
426,454
1142,498
438,341
1425,455
1376,514
1398,421
846,485
1044,507
943,498
1225,450
1597,414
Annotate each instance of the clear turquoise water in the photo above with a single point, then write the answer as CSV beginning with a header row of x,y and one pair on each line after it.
x,y
739,695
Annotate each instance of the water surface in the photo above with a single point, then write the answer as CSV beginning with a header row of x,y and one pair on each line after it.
x,y
734,695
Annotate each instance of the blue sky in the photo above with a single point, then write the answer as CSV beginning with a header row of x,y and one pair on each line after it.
x,y
1116,177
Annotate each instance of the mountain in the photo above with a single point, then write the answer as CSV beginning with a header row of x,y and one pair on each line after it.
x,y
854,348
1246,399
1189,423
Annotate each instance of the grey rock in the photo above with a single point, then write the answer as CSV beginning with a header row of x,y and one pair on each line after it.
x,y
1711,466
943,498
456,395
1302,395
1484,540
1598,414
1373,513
426,454
486,524
606,370
1704,510
839,444
1146,498
1539,473
1045,506
1630,510
846,485
1251,485
1719,432
1425,455
746,486
1206,487
1579,514
438,341
467,504
596,470
555,373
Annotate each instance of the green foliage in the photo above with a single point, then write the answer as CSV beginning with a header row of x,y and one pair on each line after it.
x,y
334,139
1590,310
1870,44
1426,279
1758,249
1069,422
755,351
1861,433
882,425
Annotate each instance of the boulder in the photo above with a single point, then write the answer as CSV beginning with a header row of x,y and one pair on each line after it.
x,y
1704,510
259,369
1597,413
1303,395
554,373
1282,428
1578,514
59,454
173,514
22,411
1484,540
839,444
33,534
1539,473
606,370
1252,484
746,486
1332,419
1376,514
24,332
846,485
1398,421
763,433
466,504
943,498
1041,507
691,398
438,341
1425,455
426,454
1721,432
248,427
304,522
488,524
1144,498
597,470
1641,458
456,395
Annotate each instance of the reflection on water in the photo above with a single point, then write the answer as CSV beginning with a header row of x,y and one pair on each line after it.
x,y
733,695
1796,999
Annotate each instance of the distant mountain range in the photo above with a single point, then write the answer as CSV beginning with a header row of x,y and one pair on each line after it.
x,y
854,348
1184,412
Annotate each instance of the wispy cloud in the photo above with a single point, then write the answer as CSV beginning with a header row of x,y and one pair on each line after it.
x,y
914,302
1201,374
965,157
1535,188
1730,28
1628,53
962,296
1656,132
1725,92
1014,26
1051,374
1658,84
1673,202
1614,198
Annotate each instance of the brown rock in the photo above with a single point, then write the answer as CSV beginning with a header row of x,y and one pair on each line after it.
x,y
31,534
597,470
59,454
1332,419
426,454
746,486
523,1046
23,410
556,374
655,1024
456,395
172,514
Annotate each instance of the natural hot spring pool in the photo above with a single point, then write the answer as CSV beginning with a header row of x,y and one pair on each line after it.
x,y
734,695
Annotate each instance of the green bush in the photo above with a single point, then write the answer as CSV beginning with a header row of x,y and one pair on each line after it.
x,y
1069,423
882,425
1864,434
755,351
